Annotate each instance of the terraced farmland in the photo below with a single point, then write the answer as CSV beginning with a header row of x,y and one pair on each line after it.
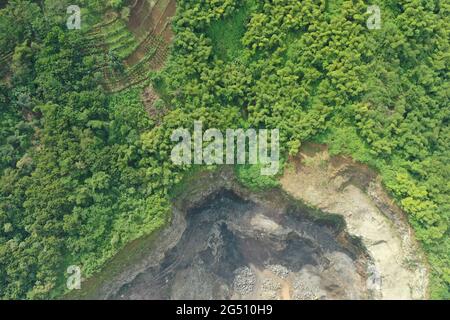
x,y
141,44
5,59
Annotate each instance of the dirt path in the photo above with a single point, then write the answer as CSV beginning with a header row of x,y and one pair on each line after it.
x,y
338,185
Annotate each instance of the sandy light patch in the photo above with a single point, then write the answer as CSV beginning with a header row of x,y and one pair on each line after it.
x,y
340,186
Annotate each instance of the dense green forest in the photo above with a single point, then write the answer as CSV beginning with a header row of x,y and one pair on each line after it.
x,y
84,171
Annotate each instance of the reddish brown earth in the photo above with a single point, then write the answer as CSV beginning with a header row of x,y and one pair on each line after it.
x,y
150,23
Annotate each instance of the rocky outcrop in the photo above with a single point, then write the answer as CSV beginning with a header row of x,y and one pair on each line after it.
x,y
340,186
225,242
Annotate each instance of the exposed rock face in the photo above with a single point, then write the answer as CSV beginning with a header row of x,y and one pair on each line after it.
x,y
227,243
340,186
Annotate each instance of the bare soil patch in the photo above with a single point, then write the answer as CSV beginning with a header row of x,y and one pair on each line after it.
x,y
225,242
341,186
149,22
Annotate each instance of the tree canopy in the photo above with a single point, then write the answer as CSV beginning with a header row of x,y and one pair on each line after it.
x,y
84,171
